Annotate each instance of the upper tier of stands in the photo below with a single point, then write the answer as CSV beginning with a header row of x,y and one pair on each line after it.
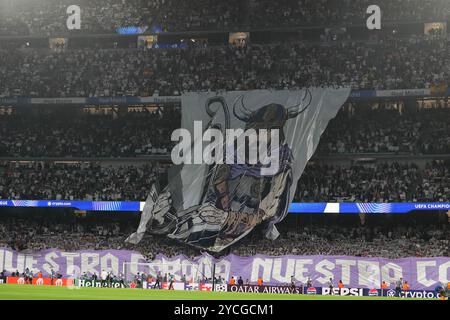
x,y
48,17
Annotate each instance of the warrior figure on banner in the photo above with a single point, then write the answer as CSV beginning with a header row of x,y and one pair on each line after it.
x,y
236,197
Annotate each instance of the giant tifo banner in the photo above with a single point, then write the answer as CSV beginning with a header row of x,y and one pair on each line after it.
x,y
355,272
240,155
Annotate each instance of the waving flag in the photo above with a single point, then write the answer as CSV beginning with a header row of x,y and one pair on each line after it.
x,y
212,205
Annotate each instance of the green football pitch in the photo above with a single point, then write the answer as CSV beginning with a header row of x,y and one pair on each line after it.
x,y
28,292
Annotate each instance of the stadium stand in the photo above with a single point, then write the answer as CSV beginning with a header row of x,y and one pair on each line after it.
x,y
388,148
355,130
384,236
75,181
85,135
379,182
375,182
48,17
145,72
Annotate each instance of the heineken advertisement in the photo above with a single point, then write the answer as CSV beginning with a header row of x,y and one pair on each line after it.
x,y
99,283
355,272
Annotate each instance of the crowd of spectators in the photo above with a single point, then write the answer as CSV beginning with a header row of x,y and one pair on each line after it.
x,y
62,134
72,234
417,62
48,17
320,182
78,181
366,130
387,242
33,234
289,13
379,239
138,134
375,182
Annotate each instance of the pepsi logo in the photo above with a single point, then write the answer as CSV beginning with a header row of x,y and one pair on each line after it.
x,y
311,290
373,292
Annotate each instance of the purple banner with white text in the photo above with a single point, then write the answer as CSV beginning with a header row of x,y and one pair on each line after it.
x,y
356,272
